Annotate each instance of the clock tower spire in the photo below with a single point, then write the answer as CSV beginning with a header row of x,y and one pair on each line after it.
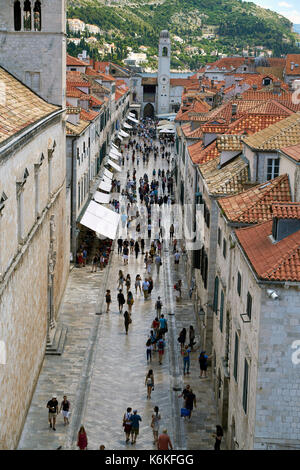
x,y
164,58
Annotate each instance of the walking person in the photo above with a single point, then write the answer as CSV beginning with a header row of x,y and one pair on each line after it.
x,y
127,423
158,263
191,337
128,282
181,339
203,360
218,436
65,409
52,406
177,257
136,249
143,246
121,279
95,263
171,231
163,325
135,425
158,307
164,441
82,441
149,383
161,349
149,349
107,300
145,288
130,301
190,402
155,424
121,300
186,359
127,320
138,281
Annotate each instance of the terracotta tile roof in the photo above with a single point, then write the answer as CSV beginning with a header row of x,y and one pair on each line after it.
x,y
73,61
289,59
286,211
255,204
251,95
229,63
271,107
118,95
230,142
251,123
202,155
271,261
183,82
282,134
88,115
190,133
196,107
229,179
19,107
293,152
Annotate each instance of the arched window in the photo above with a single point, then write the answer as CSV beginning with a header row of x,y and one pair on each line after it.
x,y
165,52
17,16
37,16
27,15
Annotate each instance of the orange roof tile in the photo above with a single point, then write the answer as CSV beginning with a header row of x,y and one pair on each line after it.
x,y
286,211
293,152
295,58
88,115
255,204
202,155
73,61
271,261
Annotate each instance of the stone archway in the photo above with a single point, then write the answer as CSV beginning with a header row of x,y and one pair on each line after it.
x,y
149,110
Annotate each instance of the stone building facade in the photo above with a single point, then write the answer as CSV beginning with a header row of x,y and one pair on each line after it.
x,y
34,232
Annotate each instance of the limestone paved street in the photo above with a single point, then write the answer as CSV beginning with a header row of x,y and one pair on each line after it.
x,y
102,371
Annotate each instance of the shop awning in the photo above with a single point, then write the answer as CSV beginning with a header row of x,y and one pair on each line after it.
x,y
106,180
127,126
114,146
167,131
101,198
119,136
108,174
131,114
116,152
114,156
114,165
105,186
133,119
123,133
101,220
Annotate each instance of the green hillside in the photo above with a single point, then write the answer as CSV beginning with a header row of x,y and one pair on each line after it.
x,y
210,27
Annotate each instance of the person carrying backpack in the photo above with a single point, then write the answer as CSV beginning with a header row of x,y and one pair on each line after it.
x,y
158,307
186,359
161,349
163,325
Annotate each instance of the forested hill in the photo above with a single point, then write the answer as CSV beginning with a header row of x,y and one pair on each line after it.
x,y
209,26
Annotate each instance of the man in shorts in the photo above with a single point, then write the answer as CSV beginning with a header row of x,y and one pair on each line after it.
x,y
65,409
52,405
135,425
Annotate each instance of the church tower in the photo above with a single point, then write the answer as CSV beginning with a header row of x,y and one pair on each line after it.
x,y
33,45
164,58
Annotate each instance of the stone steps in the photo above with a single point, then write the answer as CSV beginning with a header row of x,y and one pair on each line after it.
x,y
57,346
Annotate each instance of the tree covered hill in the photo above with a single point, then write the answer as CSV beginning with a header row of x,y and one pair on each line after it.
x,y
210,27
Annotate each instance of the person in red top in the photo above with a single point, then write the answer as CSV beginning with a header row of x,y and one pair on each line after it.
x,y
164,441
82,441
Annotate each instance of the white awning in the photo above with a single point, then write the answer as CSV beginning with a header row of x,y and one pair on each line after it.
x,y
114,156
115,146
119,137
116,152
106,180
123,133
133,119
167,131
101,220
114,165
101,198
131,114
108,174
105,186
127,126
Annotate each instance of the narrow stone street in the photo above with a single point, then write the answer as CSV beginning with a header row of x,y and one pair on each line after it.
x,y
102,370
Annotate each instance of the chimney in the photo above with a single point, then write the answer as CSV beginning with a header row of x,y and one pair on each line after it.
x,y
107,70
212,83
254,87
277,88
292,65
234,109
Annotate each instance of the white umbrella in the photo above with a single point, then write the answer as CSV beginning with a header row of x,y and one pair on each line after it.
x,y
123,134
127,126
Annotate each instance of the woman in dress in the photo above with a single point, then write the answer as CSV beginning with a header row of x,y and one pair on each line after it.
x,y
191,337
127,321
181,338
82,441
107,300
218,436
121,279
155,424
128,282
149,383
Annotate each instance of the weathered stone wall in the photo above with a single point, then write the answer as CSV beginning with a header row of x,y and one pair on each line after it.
x,y
24,288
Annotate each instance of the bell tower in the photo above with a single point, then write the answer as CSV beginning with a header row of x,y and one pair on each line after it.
x,y
164,59
33,45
